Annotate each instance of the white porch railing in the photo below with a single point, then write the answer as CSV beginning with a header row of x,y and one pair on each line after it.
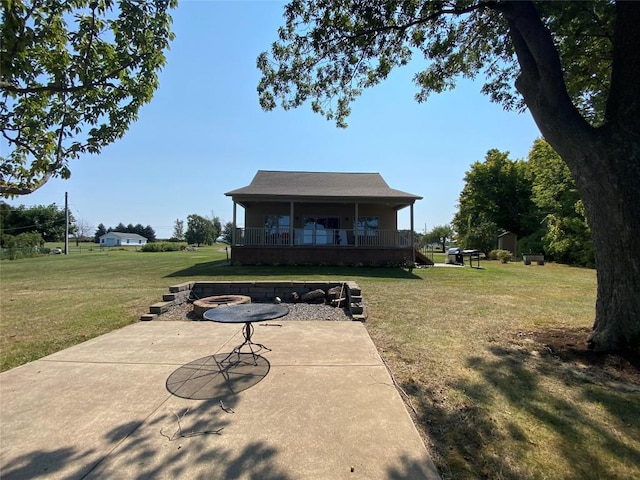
x,y
322,238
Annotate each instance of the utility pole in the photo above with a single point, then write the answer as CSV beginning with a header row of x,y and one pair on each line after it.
x,y
66,223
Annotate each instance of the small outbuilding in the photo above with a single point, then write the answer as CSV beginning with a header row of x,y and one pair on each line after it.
x,y
119,239
508,241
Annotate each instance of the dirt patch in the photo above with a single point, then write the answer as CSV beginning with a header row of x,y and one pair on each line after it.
x,y
570,347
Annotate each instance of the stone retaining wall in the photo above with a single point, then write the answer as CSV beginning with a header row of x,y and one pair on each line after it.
x,y
261,291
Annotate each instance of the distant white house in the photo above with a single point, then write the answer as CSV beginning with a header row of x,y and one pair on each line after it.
x,y
118,239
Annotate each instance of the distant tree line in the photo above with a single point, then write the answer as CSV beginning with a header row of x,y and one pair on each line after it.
x,y
32,226
535,199
147,232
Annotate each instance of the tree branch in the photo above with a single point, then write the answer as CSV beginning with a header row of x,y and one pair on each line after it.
x,y
452,11
52,88
541,81
91,37
12,189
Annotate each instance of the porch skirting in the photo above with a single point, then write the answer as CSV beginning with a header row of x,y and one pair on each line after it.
x,y
336,256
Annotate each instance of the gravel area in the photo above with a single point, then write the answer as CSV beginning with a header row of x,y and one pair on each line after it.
x,y
297,312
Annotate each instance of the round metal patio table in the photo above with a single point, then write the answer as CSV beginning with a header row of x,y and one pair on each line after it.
x,y
248,314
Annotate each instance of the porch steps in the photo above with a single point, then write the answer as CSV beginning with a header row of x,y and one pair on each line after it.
x,y
422,259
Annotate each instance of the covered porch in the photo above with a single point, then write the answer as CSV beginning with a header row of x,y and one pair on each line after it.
x,y
302,218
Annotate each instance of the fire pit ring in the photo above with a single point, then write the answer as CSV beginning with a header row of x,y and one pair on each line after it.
x,y
202,305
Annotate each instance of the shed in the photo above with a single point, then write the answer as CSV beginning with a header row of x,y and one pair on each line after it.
x,y
508,241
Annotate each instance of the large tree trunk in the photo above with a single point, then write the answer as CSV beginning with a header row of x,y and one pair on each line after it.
x,y
611,194
604,161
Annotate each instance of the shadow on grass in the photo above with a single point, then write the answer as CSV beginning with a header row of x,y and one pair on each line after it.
x,y
221,268
515,410
412,469
156,449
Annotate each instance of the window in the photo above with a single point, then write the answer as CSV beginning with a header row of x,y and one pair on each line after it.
x,y
367,226
321,230
277,223
277,228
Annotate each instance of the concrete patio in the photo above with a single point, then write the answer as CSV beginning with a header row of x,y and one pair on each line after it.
x,y
148,402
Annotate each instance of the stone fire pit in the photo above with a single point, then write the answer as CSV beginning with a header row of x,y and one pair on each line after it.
x,y
202,305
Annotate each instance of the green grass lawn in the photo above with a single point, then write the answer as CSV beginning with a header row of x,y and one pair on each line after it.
x,y
462,343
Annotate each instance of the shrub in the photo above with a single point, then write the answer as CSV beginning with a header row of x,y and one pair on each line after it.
x,y
505,256
161,247
24,245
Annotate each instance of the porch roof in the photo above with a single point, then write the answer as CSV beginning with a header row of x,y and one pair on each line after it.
x,y
270,185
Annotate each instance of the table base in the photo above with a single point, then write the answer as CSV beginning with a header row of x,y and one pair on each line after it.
x,y
254,348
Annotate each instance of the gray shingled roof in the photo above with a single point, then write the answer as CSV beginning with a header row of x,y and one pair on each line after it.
x,y
329,185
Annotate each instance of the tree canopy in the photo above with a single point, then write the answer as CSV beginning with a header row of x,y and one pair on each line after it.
x,y
328,51
535,199
439,234
46,220
201,230
566,236
573,65
496,197
73,76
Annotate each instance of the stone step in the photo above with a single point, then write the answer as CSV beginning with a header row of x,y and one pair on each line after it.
x,y
356,308
148,316
160,307
354,288
181,287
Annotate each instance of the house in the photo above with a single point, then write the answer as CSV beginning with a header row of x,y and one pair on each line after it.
x,y
311,218
118,239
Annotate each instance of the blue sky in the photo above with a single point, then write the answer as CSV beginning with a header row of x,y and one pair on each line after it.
x,y
204,133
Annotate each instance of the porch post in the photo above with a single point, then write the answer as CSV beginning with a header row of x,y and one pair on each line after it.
x,y
355,227
413,250
233,232
291,223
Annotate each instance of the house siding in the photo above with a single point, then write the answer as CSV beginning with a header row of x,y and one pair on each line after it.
x,y
111,240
